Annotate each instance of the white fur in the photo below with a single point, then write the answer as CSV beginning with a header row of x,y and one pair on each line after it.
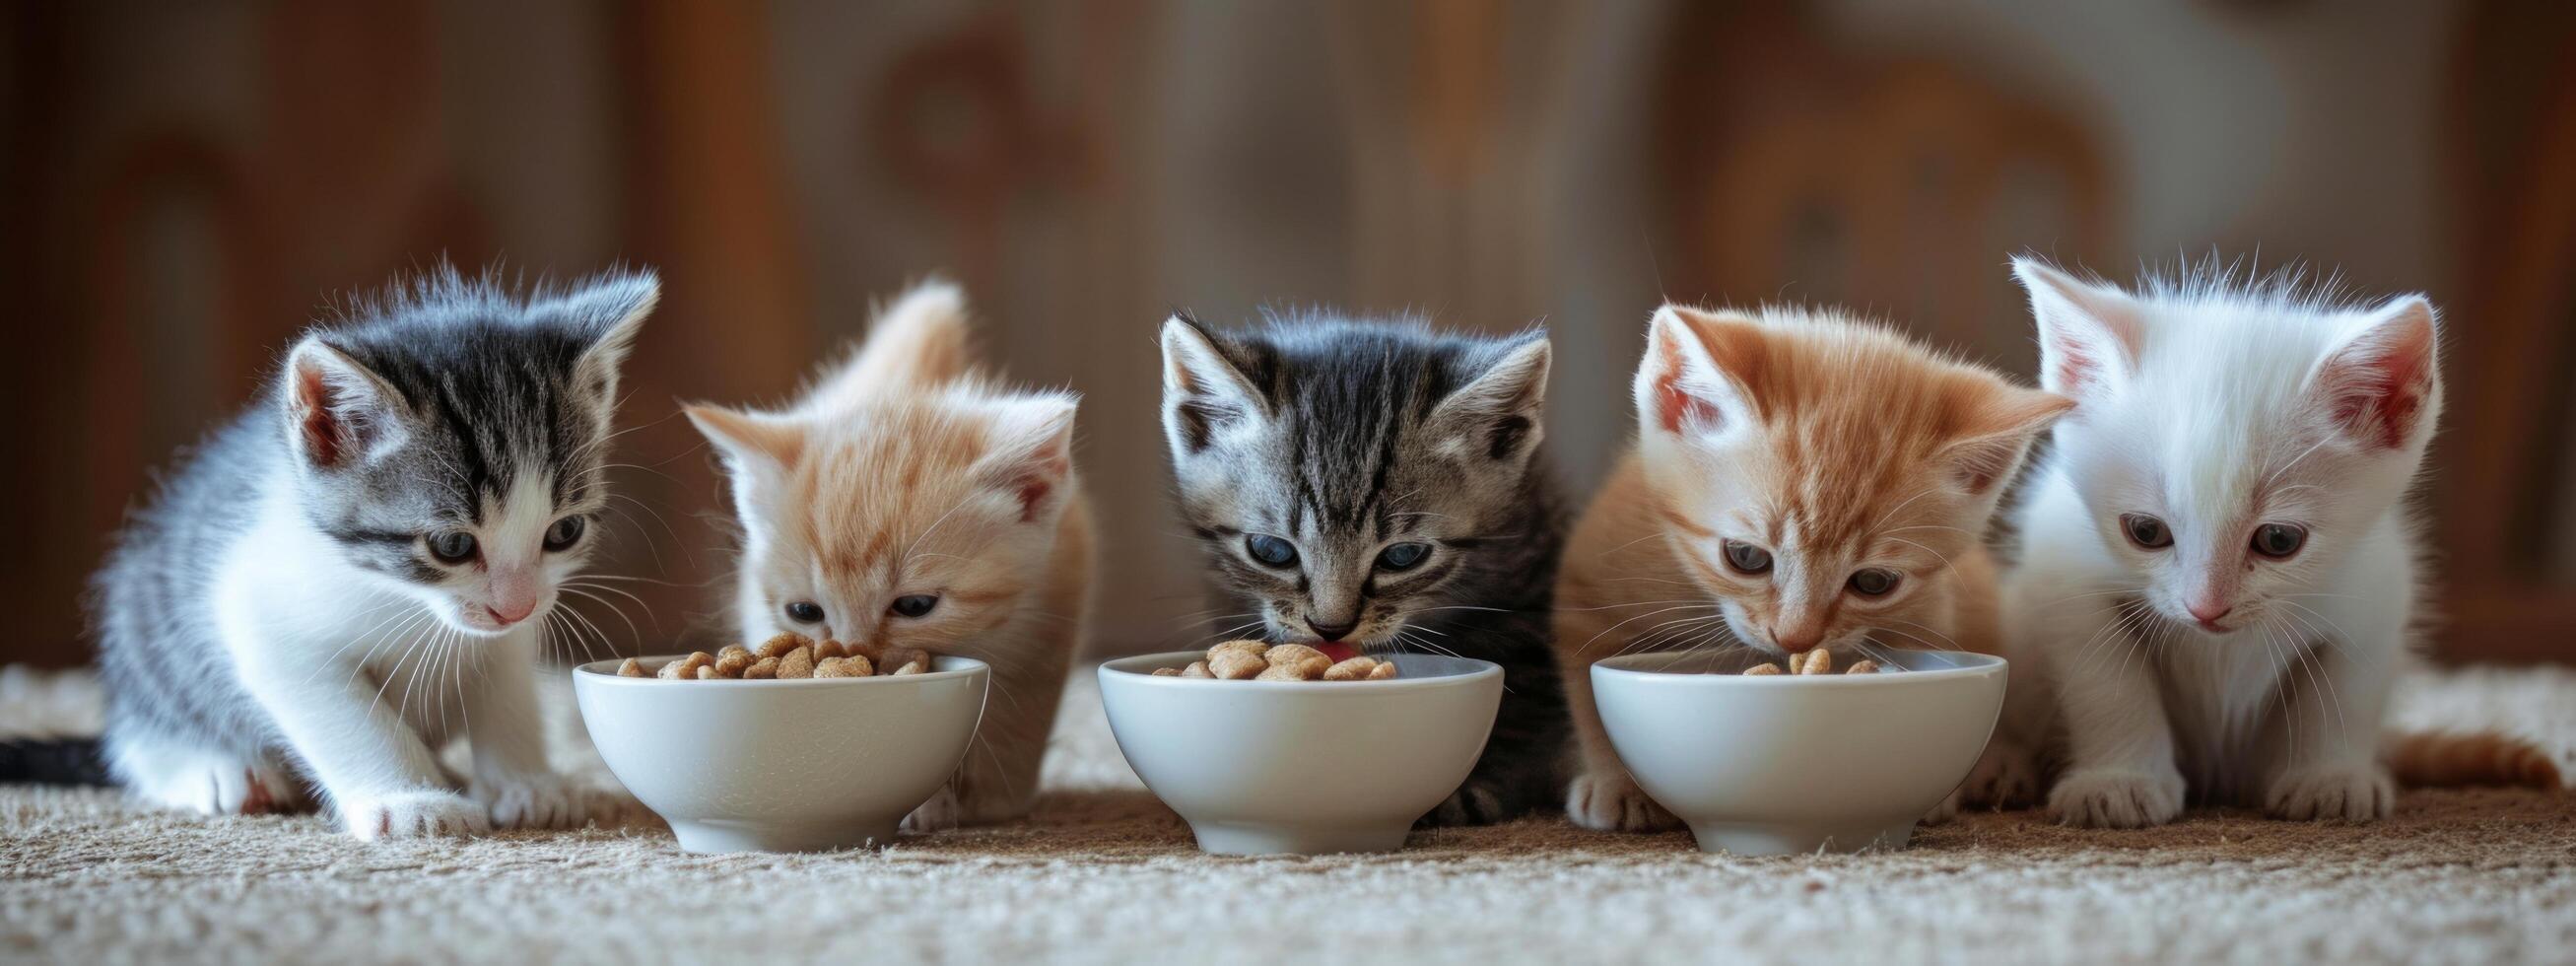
x,y
2211,408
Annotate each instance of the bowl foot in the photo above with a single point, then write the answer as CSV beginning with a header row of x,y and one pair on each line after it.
x,y
1232,839
726,836
1756,839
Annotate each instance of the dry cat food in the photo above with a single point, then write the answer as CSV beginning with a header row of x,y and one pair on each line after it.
x,y
1256,661
1814,662
786,657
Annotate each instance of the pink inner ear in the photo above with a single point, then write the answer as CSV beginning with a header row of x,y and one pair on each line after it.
x,y
2075,364
1675,406
324,438
2378,397
1037,479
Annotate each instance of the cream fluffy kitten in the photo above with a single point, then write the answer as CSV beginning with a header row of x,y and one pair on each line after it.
x,y
2220,575
906,501
1800,481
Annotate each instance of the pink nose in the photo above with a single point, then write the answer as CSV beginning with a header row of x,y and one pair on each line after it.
x,y
1799,642
2210,614
503,613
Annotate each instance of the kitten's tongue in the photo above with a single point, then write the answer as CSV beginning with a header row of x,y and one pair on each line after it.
x,y
1338,651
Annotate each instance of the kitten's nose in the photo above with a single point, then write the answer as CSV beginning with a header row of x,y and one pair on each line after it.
x,y
501,612
2209,614
1331,632
1800,641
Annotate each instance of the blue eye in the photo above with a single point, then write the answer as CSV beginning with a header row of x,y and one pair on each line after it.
x,y
1403,556
1270,550
452,547
915,605
565,533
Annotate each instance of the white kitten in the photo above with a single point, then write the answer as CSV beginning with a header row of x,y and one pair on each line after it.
x,y
2220,572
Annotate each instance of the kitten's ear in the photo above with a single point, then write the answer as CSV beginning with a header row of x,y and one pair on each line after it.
x,y
2383,386
921,340
2088,334
1497,416
339,412
1995,433
608,311
758,447
1204,394
1032,455
1699,374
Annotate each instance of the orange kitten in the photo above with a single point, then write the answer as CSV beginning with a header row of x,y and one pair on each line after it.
x,y
908,502
1800,481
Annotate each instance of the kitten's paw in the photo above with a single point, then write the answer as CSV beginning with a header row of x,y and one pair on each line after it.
x,y
208,782
942,812
1947,810
2006,776
553,801
1612,802
1478,802
412,815
2115,798
2357,792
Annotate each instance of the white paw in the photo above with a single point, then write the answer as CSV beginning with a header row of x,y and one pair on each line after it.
x,y
2357,792
1611,801
940,813
2115,798
207,782
411,815
2006,776
553,801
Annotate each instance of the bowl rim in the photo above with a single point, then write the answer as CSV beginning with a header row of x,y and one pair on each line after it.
x,y
1972,664
1139,668
605,673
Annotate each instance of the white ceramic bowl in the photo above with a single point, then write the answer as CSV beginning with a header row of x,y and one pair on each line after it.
x,y
1302,767
1786,764
783,766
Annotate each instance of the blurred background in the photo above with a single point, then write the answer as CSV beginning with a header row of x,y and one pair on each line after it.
x,y
186,184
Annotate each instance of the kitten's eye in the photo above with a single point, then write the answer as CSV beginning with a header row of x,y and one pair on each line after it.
x,y
1270,550
1403,556
2146,531
565,533
805,612
452,547
2279,540
915,605
1747,558
1873,582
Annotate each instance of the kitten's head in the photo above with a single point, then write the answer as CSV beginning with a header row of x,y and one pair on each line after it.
x,y
904,502
1343,475
2231,441
1818,475
452,438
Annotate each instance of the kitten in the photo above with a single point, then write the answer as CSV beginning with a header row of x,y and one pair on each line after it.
x,y
908,502
1378,486
2220,572
1800,481
360,566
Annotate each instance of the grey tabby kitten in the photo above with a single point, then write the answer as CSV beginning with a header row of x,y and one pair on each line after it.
x,y
356,569
1380,485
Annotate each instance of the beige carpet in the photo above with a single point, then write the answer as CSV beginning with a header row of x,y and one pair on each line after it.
x,y
1105,874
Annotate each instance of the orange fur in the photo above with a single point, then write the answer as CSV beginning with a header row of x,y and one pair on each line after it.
x,y
2443,759
903,473
1834,445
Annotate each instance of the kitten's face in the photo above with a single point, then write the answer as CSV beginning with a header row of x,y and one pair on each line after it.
x,y
458,454
1817,477
2229,453
902,523
1343,477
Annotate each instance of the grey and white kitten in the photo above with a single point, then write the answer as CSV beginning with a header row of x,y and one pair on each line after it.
x,y
358,568
1380,484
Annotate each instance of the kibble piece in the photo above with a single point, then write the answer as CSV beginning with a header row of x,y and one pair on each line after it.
x,y
1254,648
706,672
779,646
1301,671
798,662
732,661
905,660
859,666
1384,671
1355,669
874,654
838,667
1761,669
687,668
632,669
1307,663
1819,661
1236,665
919,665
1863,667
761,670
827,650
1167,672
1197,669
731,649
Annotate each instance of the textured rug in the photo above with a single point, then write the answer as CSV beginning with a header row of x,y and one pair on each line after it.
x,y
1105,874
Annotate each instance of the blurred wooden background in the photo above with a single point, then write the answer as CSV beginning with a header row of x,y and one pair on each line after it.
x,y
185,185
